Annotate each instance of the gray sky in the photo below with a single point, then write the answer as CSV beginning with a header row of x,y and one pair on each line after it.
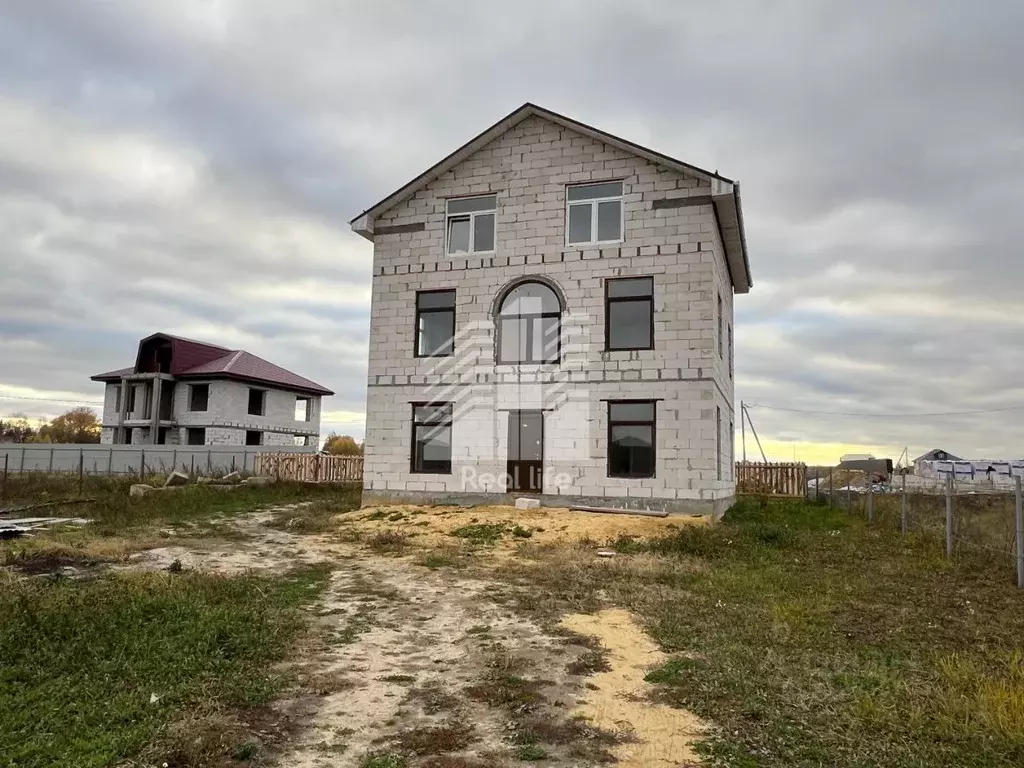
x,y
191,167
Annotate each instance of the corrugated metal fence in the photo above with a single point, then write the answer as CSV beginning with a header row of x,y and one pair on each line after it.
x,y
139,460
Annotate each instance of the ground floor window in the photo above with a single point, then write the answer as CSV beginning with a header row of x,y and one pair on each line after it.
x,y
195,436
631,438
253,437
432,438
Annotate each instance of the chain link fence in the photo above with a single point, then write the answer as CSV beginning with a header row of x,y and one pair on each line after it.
x,y
972,519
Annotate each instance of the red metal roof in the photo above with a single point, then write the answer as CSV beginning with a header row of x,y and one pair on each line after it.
x,y
191,358
240,364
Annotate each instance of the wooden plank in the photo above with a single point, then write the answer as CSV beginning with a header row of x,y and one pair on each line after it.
x,y
310,468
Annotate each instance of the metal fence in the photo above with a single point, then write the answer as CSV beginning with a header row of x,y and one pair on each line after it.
x,y
971,518
137,460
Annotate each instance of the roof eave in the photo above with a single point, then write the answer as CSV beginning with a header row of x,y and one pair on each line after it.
x,y
729,210
316,389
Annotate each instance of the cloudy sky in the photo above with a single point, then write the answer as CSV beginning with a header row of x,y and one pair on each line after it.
x,y
191,167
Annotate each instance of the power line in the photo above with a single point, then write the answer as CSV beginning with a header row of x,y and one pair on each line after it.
x,y
885,415
50,400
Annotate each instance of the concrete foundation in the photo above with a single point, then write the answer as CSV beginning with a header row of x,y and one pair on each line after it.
x,y
713,508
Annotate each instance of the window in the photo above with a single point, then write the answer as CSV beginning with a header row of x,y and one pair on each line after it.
x,y
303,408
718,441
730,350
470,224
161,436
629,313
257,401
435,323
593,213
128,436
195,436
199,397
117,399
631,438
530,325
432,438
253,437
719,325
300,440
131,400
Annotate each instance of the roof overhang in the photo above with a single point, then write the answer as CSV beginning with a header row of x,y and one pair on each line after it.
x,y
725,195
725,192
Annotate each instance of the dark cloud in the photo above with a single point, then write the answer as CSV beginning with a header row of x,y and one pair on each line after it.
x,y
191,167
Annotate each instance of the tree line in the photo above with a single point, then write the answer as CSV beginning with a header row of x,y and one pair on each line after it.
x,y
79,425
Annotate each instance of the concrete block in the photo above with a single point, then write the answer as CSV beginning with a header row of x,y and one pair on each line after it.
x,y
527,503
176,478
140,489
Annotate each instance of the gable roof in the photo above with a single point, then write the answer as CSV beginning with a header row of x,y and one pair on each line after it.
x,y
191,358
930,455
725,192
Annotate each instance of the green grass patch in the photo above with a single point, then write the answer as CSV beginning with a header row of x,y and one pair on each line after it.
x,y
481,533
811,638
81,660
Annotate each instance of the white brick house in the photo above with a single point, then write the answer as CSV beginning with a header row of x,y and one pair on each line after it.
x,y
185,392
552,314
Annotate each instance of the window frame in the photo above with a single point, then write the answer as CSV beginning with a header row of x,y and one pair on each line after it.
x,y
259,436
721,345
609,300
500,322
189,431
308,410
263,402
471,215
448,422
653,424
191,398
593,202
731,356
432,310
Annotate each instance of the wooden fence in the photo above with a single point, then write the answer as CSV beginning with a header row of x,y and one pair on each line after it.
x,y
771,479
315,468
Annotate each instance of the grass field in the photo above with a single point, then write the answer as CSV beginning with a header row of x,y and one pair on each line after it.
x,y
116,666
809,638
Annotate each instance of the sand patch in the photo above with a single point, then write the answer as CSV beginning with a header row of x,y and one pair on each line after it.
x,y
664,735
435,526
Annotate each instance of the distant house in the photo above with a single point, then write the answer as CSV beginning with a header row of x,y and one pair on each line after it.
x,y
878,469
186,392
935,454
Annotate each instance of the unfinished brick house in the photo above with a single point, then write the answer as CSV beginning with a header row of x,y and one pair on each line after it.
x,y
552,315
185,392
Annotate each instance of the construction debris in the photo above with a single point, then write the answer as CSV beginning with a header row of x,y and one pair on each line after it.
x,y
176,478
22,526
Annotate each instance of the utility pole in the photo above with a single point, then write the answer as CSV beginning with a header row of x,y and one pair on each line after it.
x,y
743,429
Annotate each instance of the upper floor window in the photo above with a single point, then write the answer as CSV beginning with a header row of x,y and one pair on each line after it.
x,y
435,323
257,402
629,313
198,397
730,350
530,325
720,325
594,213
470,224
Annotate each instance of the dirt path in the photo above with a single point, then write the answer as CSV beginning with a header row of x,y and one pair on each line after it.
x,y
433,668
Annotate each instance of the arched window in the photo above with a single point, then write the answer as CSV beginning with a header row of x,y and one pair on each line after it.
x,y
530,325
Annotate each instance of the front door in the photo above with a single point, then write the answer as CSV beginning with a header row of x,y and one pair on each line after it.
x,y
525,450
